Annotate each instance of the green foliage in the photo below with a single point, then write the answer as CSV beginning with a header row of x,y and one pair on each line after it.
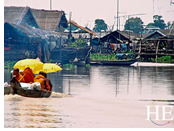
x,y
103,57
100,25
164,59
69,67
87,65
79,43
169,25
150,24
158,22
9,64
50,61
134,24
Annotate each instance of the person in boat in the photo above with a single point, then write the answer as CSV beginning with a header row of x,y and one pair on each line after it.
x,y
18,76
44,82
27,75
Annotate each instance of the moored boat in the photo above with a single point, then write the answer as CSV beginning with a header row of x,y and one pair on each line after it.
x,y
119,62
113,62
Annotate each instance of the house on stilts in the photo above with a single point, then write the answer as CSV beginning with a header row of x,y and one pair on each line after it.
x,y
25,35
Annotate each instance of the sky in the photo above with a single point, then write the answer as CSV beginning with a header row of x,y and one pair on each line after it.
x,y
84,12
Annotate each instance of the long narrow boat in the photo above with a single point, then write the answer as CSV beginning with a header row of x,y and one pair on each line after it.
x,y
15,88
114,62
119,62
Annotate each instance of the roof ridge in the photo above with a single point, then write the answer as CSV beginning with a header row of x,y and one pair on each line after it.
x,y
23,14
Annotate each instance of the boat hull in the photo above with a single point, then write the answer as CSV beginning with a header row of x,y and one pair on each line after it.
x,y
119,62
33,93
27,93
7,90
116,63
15,88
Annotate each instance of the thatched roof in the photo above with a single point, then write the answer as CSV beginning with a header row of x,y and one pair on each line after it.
x,y
45,19
19,15
50,19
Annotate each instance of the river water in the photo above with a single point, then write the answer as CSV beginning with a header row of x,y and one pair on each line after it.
x,y
97,96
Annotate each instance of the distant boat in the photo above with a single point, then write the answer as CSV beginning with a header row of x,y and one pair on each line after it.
x,y
119,62
114,62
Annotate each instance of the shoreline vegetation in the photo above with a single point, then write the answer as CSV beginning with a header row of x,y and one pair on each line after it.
x,y
163,59
103,57
10,64
107,57
110,57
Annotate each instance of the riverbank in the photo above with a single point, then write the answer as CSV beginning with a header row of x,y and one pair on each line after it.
x,y
10,64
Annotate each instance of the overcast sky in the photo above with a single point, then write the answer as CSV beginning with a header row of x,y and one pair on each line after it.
x,y
84,12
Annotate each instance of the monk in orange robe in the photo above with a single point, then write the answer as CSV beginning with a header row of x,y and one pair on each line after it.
x,y
45,83
28,75
17,75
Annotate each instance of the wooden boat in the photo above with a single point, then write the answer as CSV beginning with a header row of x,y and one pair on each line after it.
x,y
28,93
7,90
114,62
79,63
15,88
119,62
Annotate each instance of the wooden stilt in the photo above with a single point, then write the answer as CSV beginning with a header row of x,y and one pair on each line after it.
x,y
156,59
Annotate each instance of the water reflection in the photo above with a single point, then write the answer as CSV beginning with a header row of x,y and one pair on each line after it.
x,y
92,105
116,81
30,112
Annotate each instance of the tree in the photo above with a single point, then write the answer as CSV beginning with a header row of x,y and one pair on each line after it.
x,y
134,24
158,22
169,25
100,25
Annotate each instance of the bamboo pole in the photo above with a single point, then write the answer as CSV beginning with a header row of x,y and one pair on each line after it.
x,y
156,59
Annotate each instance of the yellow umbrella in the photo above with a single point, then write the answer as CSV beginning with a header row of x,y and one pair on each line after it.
x,y
47,68
32,63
